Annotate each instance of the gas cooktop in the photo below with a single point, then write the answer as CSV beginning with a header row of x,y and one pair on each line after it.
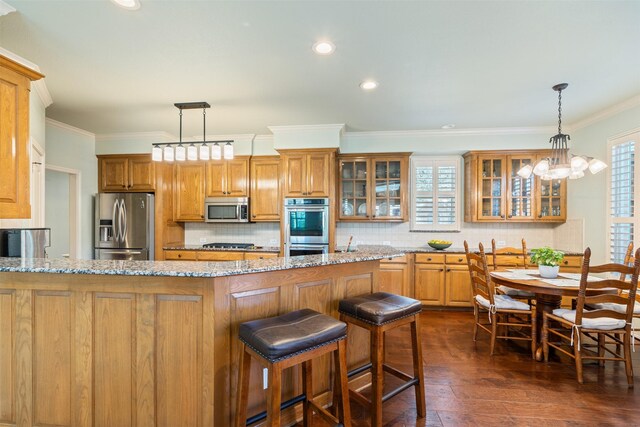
x,y
229,245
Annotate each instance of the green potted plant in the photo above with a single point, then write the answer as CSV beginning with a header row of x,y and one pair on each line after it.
x,y
548,261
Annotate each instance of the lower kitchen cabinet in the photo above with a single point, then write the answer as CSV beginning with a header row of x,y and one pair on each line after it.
x,y
395,276
442,280
194,255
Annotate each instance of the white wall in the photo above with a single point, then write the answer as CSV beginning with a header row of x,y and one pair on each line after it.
x,y
57,212
73,148
587,196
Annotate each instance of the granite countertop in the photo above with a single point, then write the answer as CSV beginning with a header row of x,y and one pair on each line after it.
x,y
200,248
429,249
189,268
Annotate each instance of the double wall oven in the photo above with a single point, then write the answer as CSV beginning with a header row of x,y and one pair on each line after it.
x,y
306,229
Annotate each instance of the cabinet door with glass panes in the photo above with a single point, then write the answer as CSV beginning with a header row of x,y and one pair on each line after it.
x,y
551,199
354,189
492,188
520,191
389,181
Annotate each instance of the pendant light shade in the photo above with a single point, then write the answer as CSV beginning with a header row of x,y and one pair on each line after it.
x,y
156,153
216,152
168,153
192,152
228,151
558,165
181,153
204,152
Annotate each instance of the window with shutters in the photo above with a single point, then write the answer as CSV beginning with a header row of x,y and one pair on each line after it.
x,y
622,215
435,192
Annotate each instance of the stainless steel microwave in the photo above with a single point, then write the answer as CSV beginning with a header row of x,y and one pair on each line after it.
x,y
226,209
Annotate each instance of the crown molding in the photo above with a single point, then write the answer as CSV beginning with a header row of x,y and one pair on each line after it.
x,y
607,112
155,136
263,139
69,128
398,134
39,85
6,8
307,128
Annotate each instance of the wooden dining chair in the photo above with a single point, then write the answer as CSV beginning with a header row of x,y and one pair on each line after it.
x,y
519,260
503,312
563,329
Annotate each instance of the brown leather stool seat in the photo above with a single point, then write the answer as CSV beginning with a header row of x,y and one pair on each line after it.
x,y
280,342
378,313
380,307
280,337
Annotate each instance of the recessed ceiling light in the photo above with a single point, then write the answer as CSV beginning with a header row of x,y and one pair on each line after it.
x,y
449,126
324,47
128,4
369,84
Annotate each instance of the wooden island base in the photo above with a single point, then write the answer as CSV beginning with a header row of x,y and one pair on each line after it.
x,y
115,350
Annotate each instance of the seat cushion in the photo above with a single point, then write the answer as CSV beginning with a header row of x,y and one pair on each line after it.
x,y
503,302
515,292
603,323
379,307
620,308
277,338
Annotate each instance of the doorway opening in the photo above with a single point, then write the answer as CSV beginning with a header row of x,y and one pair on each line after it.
x,y
62,211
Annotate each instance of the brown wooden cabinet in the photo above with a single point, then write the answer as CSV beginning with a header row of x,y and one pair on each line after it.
x,y
265,191
442,280
189,191
308,173
396,275
228,178
373,187
195,255
15,167
126,173
495,193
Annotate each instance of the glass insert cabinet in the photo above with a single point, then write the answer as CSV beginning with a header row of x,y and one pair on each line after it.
x,y
373,188
495,193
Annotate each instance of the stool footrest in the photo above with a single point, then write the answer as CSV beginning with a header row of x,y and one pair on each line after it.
x,y
400,389
358,370
286,404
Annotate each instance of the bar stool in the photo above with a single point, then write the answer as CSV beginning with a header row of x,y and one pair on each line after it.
x,y
378,313
280,342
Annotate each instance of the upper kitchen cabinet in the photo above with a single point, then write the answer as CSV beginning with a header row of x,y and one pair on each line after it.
x,y
15,167
373,187
265,188
308,173
495,193
189,190
228,178
126,173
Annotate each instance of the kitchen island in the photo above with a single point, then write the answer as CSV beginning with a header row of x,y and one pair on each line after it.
x,y
119,343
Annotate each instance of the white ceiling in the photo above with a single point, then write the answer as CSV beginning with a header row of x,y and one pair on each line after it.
x,y
477,64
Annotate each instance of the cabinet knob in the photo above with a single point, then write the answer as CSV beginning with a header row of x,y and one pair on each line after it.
x,y
124,186
202,216
253,216
539,215
502,216
179,255
429,259
510,216
566,262
374,216
459,259
442,269
448,270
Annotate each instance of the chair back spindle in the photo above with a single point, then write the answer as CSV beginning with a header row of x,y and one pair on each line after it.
x,y
479,273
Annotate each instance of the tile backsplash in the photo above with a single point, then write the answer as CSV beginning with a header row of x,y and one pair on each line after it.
x,y
265,234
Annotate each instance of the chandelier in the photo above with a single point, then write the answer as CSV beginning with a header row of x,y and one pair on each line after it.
x,y
561,164
205,150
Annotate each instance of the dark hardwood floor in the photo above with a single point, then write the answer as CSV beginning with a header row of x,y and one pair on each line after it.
x,y
466,386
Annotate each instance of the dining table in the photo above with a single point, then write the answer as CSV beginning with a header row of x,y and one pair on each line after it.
x,y
548,292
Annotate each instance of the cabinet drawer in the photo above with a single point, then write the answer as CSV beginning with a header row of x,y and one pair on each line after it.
x,y
260,255
430,258
220,256
568,261
397,260
180,255
507,260
456,259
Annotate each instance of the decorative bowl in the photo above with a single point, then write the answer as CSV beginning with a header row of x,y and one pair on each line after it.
x,y
439,246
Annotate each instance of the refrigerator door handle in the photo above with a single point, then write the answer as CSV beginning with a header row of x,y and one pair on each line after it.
x,y
123,208
113,220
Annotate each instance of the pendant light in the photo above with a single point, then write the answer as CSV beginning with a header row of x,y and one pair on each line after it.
x,y
171,151
560,164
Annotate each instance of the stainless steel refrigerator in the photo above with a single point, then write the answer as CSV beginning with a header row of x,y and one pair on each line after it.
x,y
124,226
